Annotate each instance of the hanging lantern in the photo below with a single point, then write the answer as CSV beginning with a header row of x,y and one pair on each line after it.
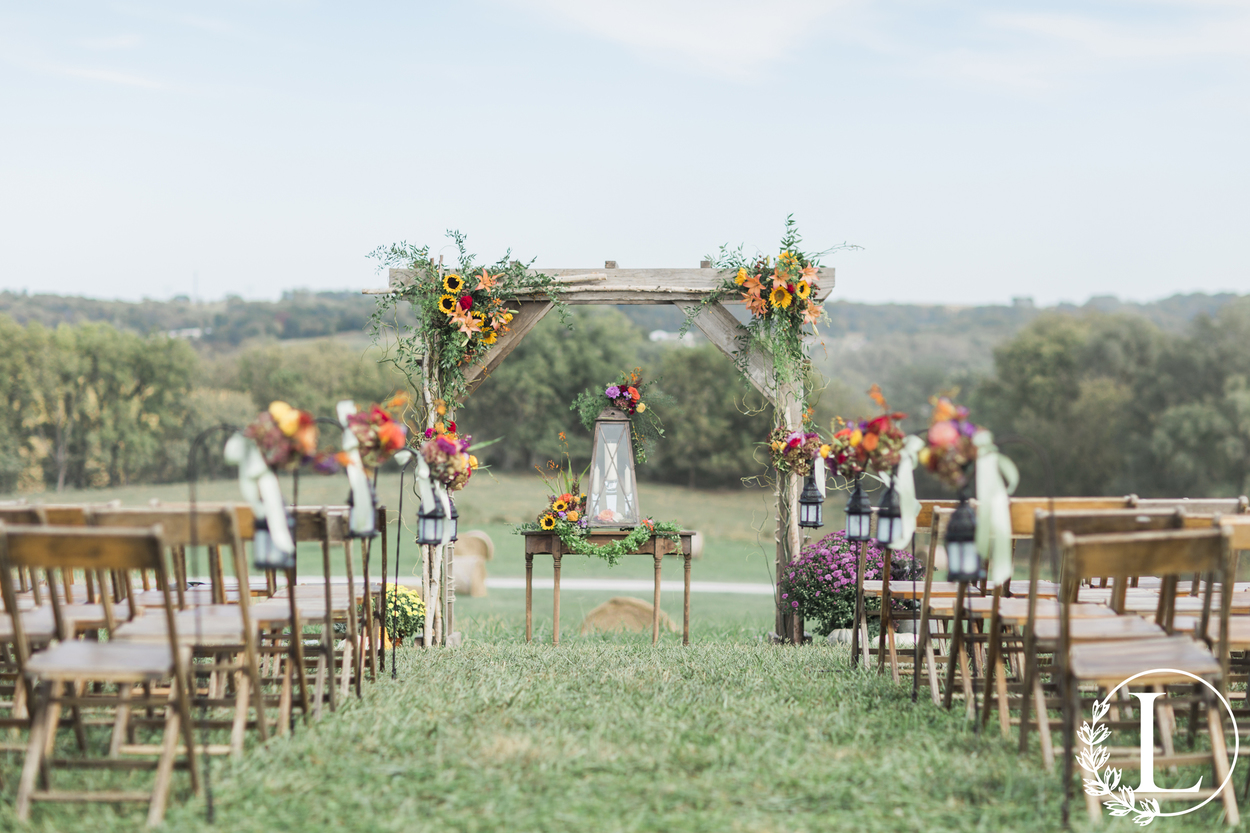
x,y
810,511
613,496
266,555
963,562
858,515
889,517
430,523
455,520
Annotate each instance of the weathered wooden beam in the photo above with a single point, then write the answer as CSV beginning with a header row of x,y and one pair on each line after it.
x,y
626,286
723,330
527,317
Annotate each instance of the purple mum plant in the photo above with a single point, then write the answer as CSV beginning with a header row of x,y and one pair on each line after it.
x,y
820,585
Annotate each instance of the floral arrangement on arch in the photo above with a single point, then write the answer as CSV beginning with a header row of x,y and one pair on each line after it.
x,y
634,397
864,444
820,584
378,431
447,454
286,436
461,310
949,450
781,295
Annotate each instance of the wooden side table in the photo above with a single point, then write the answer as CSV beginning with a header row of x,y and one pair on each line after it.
x,y
540,542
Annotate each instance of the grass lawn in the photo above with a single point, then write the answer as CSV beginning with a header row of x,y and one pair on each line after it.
x,y
610,734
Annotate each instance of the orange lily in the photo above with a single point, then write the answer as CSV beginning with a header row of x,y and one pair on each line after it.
x,y
812,313
810,273
468,324
486,280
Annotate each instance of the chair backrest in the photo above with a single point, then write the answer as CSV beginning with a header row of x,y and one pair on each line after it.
x,y
1024,509
1167,554
59,549
1200,506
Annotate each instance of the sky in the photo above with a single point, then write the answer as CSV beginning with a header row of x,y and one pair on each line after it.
x,y
975,151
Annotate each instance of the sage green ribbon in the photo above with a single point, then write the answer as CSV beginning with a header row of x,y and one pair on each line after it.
x,y
905,488
362,519
260,489
996,478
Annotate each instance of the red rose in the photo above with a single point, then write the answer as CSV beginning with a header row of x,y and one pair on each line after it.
x,y
466,301
451,426
790,288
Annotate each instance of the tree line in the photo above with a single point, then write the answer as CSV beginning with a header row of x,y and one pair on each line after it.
x,y
1119,403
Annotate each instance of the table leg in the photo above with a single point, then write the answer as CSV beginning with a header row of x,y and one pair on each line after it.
x,y
655,613
529,596
555,628
685,613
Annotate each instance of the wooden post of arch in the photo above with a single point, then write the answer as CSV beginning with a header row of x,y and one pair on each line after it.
x,y
686,289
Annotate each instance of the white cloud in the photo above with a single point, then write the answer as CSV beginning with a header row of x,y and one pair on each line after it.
x,y
734,38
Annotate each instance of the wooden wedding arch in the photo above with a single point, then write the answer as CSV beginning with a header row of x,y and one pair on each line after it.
x,y
685,289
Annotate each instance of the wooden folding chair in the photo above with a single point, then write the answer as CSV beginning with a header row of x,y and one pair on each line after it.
x,y
1103,665
223,634
58,677
1023,627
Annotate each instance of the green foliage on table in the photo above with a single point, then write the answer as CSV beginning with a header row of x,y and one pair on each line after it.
x,y
577,538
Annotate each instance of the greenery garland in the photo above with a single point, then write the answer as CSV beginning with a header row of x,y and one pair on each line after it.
x,y
576,537
461,311
780,296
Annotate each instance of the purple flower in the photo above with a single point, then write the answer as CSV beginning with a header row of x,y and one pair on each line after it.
x,y
786,595
794,604
562,514
612,392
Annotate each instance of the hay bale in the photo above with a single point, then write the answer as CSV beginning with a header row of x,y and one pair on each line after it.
x,y
623,613
473,549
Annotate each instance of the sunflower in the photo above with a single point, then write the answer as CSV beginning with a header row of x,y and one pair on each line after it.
x,y
559,506
802,289
481,318
453,283
489,336
779,298
547,522
447,304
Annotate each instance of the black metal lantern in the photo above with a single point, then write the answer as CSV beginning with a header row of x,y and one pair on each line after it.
x,y
811,514
858,515
430,523
455,520
265,553
889,517
963,562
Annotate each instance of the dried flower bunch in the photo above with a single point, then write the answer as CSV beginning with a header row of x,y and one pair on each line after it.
x,y
378,431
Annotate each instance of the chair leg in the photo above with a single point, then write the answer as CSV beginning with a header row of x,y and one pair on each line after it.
x,y
1219,758
1043,724
121,722
348,663
165,767
40,729
284,702
239,728
320,690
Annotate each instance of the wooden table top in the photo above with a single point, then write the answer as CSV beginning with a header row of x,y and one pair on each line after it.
x,y
544,542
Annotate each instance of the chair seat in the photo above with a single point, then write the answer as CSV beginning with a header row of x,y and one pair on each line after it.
x,y
1100,628
39,624
903,589
1110,663
211,625
1238,632
1015,611
111,661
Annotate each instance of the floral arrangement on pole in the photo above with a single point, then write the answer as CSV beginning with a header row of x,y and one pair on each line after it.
x,y
949,451
820,584
780,293
461,311
286,437
447,455
866,444
793,452
378,433
636,399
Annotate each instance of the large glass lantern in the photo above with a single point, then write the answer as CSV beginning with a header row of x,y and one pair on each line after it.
x,y
963,562
810,510
613,496
858,515
266,555
889,517
430,522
